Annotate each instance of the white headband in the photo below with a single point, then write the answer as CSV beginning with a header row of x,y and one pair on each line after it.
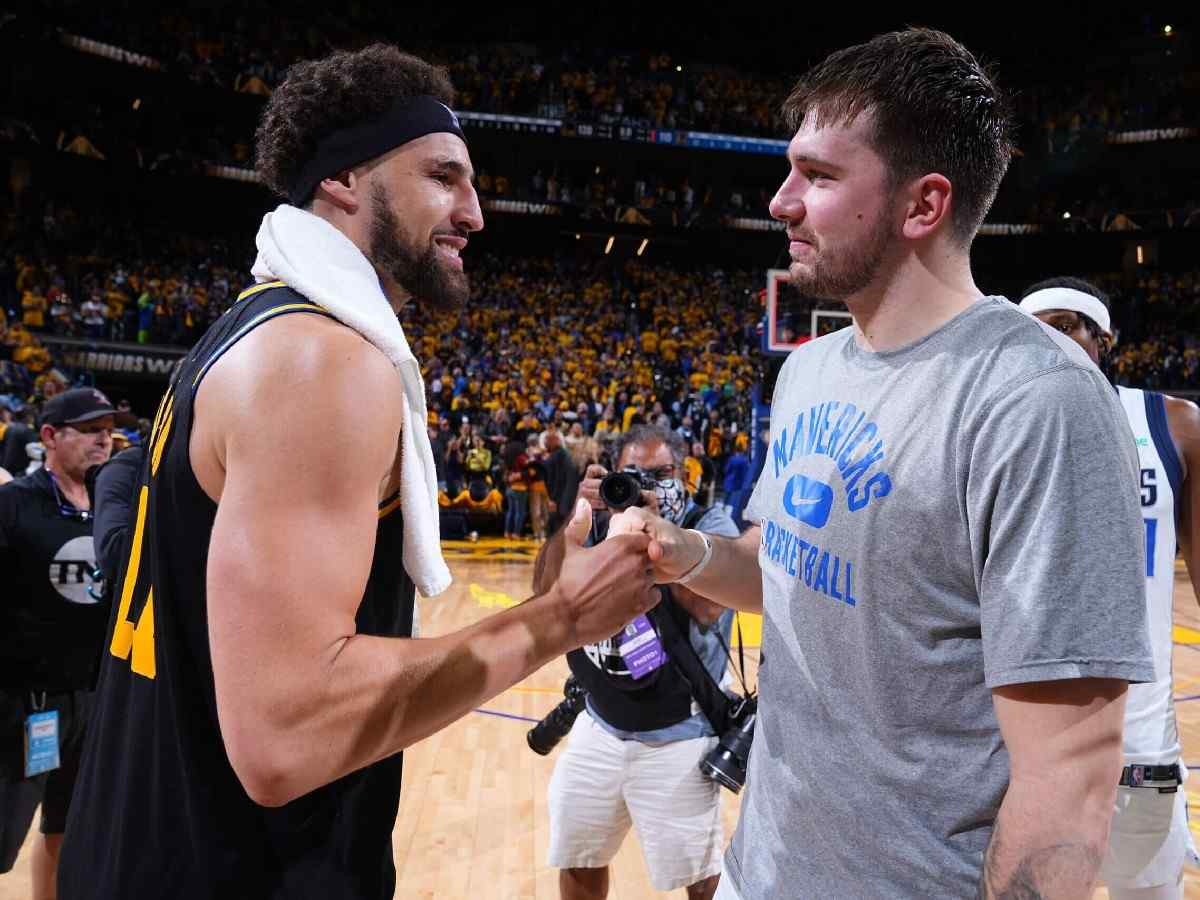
x,y
1069,299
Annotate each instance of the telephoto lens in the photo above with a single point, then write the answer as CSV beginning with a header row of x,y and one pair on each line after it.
x,y
545,735
620,490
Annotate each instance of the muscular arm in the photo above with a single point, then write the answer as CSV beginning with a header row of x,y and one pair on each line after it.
x,y
301,698
1064,744
1183,420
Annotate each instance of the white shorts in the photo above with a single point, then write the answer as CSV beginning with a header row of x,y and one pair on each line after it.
x,y
602,784
1150,839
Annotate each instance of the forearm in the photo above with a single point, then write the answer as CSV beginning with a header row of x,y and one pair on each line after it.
x,y
1051,834
732,577
371,697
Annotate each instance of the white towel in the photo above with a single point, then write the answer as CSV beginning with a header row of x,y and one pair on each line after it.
x,y
312,257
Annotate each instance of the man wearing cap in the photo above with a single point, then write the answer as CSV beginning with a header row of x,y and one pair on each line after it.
x,y
260,683
51,627
1150,840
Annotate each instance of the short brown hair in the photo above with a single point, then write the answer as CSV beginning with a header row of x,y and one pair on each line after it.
x,y
321,96
935,109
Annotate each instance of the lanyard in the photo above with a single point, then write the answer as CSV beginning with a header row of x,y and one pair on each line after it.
x,y
67,510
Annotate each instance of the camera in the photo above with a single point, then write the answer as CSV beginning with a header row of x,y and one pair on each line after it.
x,y
621,490
726,764
545,735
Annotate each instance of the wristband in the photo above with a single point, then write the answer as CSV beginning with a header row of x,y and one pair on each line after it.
x,y
704,560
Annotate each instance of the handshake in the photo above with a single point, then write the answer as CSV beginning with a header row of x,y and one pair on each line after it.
x,y
602,588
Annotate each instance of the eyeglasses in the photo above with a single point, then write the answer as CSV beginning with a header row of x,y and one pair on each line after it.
x,y
65,509
659,476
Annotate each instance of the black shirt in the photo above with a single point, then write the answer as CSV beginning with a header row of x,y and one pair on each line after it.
x,y
13,438
158,811
51,620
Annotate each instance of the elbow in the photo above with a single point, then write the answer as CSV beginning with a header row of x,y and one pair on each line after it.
x,y
264,774
270,775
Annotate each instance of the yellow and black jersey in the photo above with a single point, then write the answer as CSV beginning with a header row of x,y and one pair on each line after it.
x,y
158,811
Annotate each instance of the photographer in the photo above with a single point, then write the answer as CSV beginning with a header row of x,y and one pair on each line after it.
x,y
632,757
51,628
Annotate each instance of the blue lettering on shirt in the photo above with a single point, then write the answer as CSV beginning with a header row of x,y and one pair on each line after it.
x,y
820,569
840,432
844,434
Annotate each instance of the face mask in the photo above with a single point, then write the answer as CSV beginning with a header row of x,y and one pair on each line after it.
x,y
672,499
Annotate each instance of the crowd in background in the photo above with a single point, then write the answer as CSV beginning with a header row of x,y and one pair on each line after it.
x,y
632,344
584,350
1064,122
552,356
1159,335
249,52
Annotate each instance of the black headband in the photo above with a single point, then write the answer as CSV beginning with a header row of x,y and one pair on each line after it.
x,y
344,149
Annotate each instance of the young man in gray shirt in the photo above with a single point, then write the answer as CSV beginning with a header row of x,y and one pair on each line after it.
x,y
949,549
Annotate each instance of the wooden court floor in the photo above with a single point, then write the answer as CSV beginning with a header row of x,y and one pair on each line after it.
x,y
473,821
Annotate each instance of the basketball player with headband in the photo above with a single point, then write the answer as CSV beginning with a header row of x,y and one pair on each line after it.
x,y
258,683
1150,840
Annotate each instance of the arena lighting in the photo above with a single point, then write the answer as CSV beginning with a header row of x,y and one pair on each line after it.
x,y
137,102
1066,215
680,68
646,242
608,246
1141,255
1168,30
578,236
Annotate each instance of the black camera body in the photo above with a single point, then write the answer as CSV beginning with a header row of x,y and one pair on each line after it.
x,y
726,764
621,490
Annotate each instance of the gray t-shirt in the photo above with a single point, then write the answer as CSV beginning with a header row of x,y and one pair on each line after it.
x,y
937,521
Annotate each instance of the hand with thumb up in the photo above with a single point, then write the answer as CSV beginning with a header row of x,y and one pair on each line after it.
x,y
601,589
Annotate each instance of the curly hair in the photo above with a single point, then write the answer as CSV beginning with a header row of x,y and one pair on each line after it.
x,y
321,96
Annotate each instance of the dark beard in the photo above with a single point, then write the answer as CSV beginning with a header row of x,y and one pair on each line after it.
x,y
841,278
420,274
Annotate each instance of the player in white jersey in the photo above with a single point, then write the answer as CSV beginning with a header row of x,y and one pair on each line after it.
x,y
1150,839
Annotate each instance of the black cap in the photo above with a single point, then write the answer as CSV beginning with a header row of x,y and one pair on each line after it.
x,y
74,406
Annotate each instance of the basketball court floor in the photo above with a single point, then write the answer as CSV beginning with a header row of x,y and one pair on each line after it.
x,y
473,821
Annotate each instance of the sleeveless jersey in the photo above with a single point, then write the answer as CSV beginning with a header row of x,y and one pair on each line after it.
x,y
1151,733
158,811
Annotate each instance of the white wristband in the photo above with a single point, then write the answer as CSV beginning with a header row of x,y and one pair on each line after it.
x,y
704,560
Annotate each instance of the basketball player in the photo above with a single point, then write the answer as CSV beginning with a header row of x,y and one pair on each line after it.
x,y
951,629
1150,838
257,690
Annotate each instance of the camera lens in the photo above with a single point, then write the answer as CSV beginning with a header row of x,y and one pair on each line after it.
x,y
726,764
620,490
545,735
